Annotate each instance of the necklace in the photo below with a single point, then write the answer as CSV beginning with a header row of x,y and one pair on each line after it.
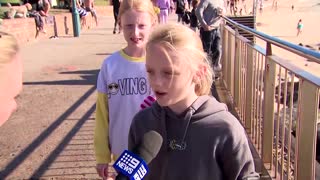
x,y
180,145
176,145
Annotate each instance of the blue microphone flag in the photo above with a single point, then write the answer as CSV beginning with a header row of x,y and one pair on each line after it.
x,y
131,165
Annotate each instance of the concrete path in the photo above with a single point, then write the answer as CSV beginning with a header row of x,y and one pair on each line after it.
x,y
50,136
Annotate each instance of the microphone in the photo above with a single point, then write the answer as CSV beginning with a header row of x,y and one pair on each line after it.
x,y
133,165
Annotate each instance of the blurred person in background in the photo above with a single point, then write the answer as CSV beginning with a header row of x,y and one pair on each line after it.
x,y
10,75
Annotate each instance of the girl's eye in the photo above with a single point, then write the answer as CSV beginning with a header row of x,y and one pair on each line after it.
x,y
171,73
149,71
142,26
129,26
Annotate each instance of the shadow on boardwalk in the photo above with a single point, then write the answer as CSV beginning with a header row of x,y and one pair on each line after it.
x,y
82,135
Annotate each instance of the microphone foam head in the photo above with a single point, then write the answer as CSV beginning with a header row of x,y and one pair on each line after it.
x,y
150,146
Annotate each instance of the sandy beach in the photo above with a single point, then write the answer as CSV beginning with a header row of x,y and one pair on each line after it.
x,y
281,22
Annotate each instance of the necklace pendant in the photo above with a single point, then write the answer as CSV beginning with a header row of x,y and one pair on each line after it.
x,y
177,145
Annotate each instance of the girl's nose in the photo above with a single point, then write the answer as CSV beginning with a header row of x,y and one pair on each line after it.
x,y
136,30
156,81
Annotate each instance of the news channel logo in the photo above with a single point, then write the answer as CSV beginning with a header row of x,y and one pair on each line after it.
x,y
131,165
128,162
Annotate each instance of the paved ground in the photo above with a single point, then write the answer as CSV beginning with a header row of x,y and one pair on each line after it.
x,y
51,134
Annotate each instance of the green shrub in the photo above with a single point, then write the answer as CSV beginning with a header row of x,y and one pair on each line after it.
x,y
2,10
101,2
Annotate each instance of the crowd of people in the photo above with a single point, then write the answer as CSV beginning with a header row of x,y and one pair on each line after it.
x,y
40,9
37,9
28,8
169,68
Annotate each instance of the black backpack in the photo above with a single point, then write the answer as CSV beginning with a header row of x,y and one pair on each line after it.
x,y
180,7
186,17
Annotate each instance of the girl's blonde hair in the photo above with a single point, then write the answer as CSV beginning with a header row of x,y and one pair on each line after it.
x,y
138,5
187,44
8,47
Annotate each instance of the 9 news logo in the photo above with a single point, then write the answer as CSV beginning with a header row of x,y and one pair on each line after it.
x,y
128,163
131,165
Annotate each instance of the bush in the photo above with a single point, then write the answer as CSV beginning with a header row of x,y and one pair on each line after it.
x,y
2,10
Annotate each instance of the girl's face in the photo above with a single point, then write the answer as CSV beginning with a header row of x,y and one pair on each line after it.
x,y
170,78
10,87
136,27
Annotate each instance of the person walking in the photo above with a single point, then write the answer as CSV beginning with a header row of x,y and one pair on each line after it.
x,y
164,6
209,14
299,27
181,7
89,6
116,6
194,23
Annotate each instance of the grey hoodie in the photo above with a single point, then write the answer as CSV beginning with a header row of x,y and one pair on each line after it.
x,y
216,146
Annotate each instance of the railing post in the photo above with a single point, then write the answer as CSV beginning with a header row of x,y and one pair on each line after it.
x,y
228,60
306,130
237,70
249,90
230,68
224,52
268,110
75,20
260,106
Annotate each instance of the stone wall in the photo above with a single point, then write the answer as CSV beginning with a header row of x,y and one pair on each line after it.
x,y
24,29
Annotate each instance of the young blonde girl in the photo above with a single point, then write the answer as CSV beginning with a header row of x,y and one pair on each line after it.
x,y
10,75
201,139
122,83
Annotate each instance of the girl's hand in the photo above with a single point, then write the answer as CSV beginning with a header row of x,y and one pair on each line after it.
x,y
102,170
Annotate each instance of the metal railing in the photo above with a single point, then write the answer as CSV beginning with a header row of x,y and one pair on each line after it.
x,y
277,101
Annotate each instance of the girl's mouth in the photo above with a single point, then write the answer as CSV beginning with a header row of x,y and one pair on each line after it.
x,y
135,40
160,94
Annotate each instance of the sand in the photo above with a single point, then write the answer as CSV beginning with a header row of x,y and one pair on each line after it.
x,y
282,23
